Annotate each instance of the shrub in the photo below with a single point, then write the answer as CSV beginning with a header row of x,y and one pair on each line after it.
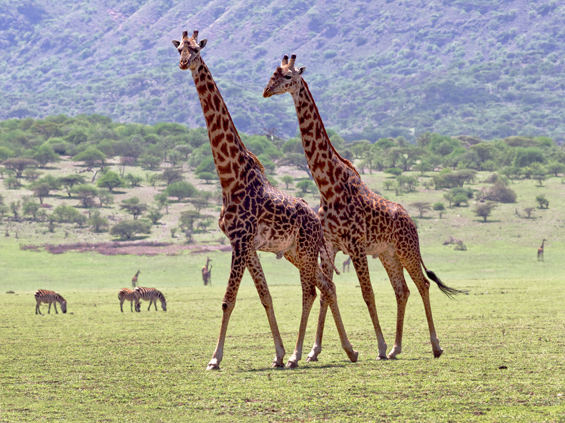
x,y
501,193
128,228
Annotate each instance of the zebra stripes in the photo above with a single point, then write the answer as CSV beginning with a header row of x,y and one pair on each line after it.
x,y
152,295
51,297
130,295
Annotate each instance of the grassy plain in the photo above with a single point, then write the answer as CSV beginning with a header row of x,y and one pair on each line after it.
x,y
97,364
504,356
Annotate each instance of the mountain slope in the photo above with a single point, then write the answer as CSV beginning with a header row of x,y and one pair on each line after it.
x,y
376,68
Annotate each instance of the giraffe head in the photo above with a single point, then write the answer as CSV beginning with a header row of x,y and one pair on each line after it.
x,y
286,78
189,50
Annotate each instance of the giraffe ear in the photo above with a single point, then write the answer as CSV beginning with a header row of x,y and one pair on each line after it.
x,y
301,70
176,43
203,43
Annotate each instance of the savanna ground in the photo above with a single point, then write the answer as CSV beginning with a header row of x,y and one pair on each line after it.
x,y
504,356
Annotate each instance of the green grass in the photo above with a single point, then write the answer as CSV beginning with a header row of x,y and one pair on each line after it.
x,y
97,364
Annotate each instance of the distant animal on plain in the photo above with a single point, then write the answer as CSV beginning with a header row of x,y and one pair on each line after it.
x,y
51,297
540,250
207,272
134,279
346,264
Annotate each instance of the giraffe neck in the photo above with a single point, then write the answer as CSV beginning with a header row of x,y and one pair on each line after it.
x,y
329,169
231,158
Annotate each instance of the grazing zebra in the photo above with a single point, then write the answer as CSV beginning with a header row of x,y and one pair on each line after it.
x,y
152,295
51,297
131,296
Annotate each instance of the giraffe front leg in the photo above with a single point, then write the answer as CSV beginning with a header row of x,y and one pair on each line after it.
x,y
256,271
362,269
228,304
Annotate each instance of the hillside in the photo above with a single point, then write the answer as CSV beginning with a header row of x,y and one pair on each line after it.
x,y
376,68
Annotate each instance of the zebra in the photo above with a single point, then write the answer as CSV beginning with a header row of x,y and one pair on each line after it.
x,y
130,295
51,297
152,295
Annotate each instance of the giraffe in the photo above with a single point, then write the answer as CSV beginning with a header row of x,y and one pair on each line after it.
x,y
355,220
540,250
346,264
257,216
134,279
207,272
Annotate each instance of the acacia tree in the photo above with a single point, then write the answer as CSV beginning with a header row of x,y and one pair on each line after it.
x,y
90,157
287,180
422,207
30,207
69,181
111,180
87,193
181,190
542,201
19,164
484,210
170,175
133,207
97,222
128,228
45,154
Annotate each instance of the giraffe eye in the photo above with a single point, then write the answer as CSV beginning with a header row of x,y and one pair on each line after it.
x,y
287,77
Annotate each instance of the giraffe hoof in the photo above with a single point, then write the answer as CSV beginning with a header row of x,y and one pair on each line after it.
x,y
353,357
292,365
391,357
213,365
382,357
277,364
437,354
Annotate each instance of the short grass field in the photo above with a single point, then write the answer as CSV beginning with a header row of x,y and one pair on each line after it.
x,y
504,343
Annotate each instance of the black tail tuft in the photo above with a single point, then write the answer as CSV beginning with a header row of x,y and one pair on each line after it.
x,y
450,292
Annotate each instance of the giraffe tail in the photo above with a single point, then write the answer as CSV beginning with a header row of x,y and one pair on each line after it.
x,y
450,292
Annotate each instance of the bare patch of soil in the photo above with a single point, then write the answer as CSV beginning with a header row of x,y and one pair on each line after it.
x,y
142,248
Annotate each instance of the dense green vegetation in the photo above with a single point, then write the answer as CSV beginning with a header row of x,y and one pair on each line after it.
x,y
377,69
127,179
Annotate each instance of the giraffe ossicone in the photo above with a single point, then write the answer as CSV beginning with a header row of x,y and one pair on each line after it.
x,y
257,216
355,220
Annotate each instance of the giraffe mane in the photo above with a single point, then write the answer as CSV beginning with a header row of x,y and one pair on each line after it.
x,y
344,161
253,156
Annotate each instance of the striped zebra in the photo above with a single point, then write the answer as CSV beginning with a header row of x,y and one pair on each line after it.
x,y
152,295
130,295
51,297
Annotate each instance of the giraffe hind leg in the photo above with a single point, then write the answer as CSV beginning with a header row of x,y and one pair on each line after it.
x,y
308,271
395,273
327,267
415,271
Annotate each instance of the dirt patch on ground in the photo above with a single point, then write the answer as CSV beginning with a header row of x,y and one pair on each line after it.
x,y
142,248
